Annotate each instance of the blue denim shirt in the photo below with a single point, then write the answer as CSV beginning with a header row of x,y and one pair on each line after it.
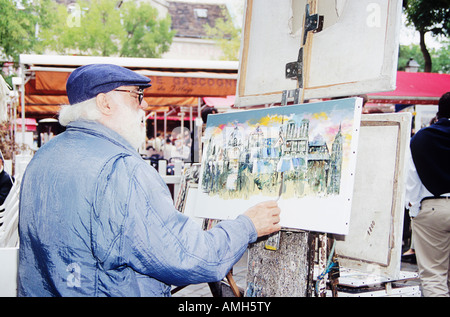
x,y
97,220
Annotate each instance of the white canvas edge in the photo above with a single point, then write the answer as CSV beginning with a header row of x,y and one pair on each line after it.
x,y
387,79
331,222
393,252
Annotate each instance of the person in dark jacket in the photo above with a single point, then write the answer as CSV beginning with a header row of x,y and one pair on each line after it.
x,y
6,182
428,198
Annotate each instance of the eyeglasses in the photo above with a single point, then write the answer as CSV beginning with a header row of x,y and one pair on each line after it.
x,y
139,92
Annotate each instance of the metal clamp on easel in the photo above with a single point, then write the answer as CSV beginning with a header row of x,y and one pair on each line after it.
x,y
294,70
289,94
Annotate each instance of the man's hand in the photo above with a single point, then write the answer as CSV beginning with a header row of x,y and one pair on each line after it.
x,y
265,217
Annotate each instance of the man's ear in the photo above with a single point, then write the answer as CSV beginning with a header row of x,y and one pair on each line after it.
x,y
104,104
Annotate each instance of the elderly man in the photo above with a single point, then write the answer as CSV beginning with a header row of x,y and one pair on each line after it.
x,y
96,220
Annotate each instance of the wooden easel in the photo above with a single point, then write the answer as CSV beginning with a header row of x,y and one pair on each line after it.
x,y
216,287
283,264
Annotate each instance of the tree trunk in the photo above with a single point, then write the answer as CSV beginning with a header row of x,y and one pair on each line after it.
x,y
425,53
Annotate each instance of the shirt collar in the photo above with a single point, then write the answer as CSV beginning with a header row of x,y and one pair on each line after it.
x,y
95,127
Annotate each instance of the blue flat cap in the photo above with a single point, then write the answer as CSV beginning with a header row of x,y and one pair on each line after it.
x,y
86,82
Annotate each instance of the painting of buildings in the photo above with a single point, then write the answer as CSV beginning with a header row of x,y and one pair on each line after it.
x,y
291,154
290,165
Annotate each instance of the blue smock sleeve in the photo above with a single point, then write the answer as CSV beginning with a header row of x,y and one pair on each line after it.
x,y
149,235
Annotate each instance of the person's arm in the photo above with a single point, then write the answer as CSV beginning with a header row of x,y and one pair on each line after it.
x,y
415,191
153,238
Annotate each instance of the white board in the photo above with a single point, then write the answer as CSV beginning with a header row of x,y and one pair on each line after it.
x,y
374,241
303,155
189,209
355,53
424,114
9,258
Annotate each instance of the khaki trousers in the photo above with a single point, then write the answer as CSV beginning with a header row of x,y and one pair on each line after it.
x,y
431,233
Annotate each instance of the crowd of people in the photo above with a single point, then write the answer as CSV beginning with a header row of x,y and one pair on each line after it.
x,y
174,146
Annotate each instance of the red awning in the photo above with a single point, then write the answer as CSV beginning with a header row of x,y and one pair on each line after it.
x,y
415,88
30,123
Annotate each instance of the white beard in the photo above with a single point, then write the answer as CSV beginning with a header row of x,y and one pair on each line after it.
x,y
129,124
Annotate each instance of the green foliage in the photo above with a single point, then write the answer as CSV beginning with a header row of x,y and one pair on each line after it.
x,y
429,16
98,27
146,36
410,51
227,36
18,26
440,57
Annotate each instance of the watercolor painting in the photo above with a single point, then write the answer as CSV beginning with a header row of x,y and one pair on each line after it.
x,y
301,155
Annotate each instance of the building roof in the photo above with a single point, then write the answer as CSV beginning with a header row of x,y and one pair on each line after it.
x,y
189,19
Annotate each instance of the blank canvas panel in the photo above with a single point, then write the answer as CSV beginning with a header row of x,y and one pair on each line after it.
x,y
374,240
355,51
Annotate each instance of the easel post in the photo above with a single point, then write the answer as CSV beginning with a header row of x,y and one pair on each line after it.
x,y
322,253
284,272
283,263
